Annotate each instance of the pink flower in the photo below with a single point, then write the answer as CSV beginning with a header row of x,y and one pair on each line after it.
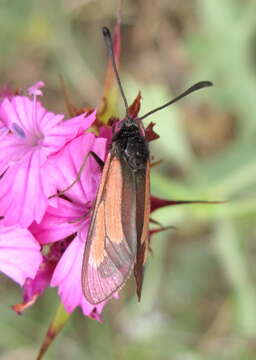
x,y
20,255
67,276
34,134
67,223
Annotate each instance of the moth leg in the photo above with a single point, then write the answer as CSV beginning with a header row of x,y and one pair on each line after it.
x,y
99,162
97,159
155,222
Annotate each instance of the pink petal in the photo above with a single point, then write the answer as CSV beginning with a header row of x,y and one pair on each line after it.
x,y
26,120
67,276
19,253
32,126
24,191
59,222
67,163
3,129
11,151
39,126
28,115
58,136
80,122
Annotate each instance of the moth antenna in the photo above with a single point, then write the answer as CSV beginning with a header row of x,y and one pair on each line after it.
x,y
195,87
109,43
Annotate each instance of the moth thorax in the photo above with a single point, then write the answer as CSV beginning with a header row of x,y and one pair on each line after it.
x,y
137,153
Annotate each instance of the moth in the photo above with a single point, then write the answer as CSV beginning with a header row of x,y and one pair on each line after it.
x,y
118,236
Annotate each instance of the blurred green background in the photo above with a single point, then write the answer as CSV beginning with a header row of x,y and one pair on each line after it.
x,y
199,296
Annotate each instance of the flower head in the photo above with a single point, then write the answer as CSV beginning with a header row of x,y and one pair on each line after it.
x,y
33,135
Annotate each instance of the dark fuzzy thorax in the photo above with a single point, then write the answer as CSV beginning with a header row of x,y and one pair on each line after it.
x,y
130,142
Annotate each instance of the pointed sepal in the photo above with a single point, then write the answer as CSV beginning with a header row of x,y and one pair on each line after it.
x,y
108,106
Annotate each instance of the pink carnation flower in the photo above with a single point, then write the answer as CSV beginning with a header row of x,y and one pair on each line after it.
x,y
33,135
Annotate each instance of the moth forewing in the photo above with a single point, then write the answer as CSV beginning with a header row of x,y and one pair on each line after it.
x,y
111,244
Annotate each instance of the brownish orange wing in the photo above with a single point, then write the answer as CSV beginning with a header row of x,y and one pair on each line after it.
x,y
142,224
111,245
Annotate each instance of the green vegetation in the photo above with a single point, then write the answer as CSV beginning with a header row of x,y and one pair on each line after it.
x,y
199,296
